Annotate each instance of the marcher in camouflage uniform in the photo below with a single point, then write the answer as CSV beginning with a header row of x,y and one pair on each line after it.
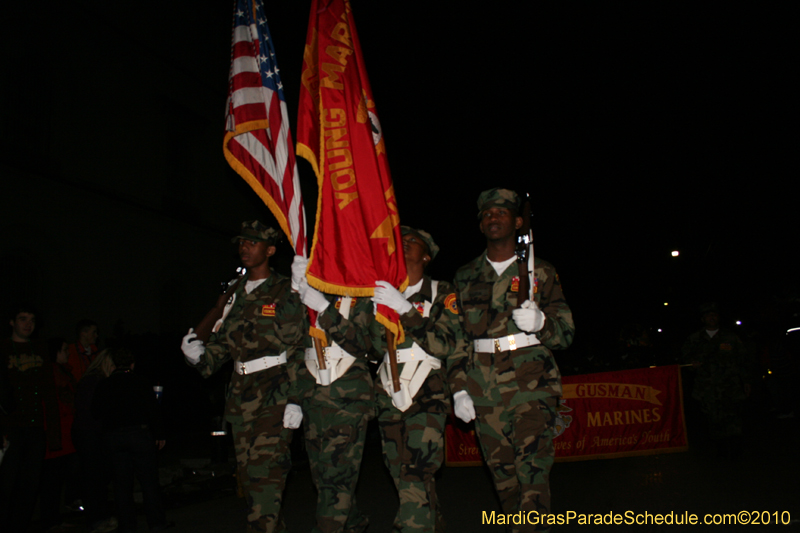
x,y
413,445
721,382
263,333
508,371
336,415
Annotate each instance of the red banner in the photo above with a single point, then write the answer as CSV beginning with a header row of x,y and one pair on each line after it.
x,y
357,237
461,444
606,415
618,414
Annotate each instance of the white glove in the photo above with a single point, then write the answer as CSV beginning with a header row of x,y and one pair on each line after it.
x,y
312,298
387,295
299,266
464,408
292,416
192,348
528,317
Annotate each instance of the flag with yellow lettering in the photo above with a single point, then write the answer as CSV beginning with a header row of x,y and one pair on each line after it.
x,y
357,238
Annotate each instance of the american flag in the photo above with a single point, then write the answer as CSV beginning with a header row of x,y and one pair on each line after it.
x,y
258,143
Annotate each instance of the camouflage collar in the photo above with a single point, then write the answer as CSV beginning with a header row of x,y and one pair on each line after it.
x,y
425,291
271,280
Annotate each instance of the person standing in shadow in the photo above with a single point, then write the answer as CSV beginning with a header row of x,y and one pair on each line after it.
x,y
132,434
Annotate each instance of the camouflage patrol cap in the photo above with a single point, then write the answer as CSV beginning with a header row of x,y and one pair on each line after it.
x,y
433,249
256,231
709,307
498,197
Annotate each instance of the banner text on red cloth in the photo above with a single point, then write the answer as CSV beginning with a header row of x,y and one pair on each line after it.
x,y
606,415
616,414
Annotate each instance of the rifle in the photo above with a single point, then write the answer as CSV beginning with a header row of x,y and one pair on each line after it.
x,y
227,288
524,251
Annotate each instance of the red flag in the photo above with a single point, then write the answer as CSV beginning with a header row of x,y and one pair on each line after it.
x,y
357,240
258,143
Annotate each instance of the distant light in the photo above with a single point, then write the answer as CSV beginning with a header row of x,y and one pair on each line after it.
x,y
218,433
659,330
738,322
791,330
675,253
769,371
666,303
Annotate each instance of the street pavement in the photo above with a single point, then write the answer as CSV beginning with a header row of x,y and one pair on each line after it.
x,y
201,496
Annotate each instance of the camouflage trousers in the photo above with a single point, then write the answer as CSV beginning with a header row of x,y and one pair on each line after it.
x,y
263,462
724,416
335,431
413,450
517,443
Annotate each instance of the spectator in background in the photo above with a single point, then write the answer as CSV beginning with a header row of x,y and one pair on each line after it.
x,y
27,397
721,382
634,347
83,352
129,415
87,436
60,466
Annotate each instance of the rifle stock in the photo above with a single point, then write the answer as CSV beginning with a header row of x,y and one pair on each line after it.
x,y
206,325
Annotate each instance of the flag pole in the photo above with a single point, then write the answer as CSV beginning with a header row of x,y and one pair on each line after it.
x,y
320,354
392,349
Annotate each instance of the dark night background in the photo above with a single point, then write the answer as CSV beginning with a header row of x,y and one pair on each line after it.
x,y
636,129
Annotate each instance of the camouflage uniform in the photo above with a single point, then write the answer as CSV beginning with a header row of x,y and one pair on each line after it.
x,y
413,439
266,322
335,419
515,392
719,380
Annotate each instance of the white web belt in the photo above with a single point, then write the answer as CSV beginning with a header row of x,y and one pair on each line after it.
x,y
505,344
257,365
418,366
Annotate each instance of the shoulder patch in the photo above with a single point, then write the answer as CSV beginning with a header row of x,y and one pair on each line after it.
x,y
450,303
268,310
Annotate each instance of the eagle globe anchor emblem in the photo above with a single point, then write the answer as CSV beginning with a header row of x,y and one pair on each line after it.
x,y
563,420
